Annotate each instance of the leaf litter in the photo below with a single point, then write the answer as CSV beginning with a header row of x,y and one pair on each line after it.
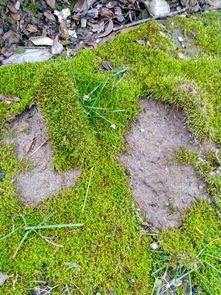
x,y
74,27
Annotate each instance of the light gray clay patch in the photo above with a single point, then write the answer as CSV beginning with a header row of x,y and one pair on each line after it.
x,y
162,188
29,136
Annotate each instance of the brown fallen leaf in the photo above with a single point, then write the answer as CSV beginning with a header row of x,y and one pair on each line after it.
x,y
51,3
12,8
8,35
15,16
31,28
29,145
97,28
1,22
76,17
107,66
10,51
83,4
9,99
108,29
49,16
106,13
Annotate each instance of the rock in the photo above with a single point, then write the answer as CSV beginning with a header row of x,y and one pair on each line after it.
x,y
63,14
57,48
30,55
41,41
154,246
157,7
3,278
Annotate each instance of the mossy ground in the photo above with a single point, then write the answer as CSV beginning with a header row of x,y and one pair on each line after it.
x,y
113,252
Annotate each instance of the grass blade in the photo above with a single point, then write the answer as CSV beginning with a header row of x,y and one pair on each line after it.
x,y
210,291
53,226
9,234
20,244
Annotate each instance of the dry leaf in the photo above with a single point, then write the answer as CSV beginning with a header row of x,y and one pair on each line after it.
x,y
117,10
141,42
1,22
112,4
108,29
49,16
12,8
31,28
15,16
107,66
9,99
41,40
29,145
84,4
8,35
107,13
51,3
76,17
97,28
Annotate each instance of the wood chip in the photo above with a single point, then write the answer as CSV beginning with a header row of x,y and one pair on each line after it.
x,y
29,145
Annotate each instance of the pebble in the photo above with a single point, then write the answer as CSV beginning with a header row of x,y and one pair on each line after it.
x,y
154,246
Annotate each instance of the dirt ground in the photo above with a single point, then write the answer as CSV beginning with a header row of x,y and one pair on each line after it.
x,y
27,132
162,187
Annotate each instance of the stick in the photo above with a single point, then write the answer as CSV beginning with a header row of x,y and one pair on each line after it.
x,y
149,19
44,142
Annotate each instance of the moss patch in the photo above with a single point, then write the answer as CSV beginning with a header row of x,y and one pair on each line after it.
x,y
111,250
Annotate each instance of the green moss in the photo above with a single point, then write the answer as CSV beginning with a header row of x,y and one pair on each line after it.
x,y
113,253
195,244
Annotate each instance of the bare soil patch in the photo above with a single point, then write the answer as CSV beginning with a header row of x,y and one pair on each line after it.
x,y
162,187
28,134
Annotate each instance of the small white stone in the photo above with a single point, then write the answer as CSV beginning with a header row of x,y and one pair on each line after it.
x,y
142,130
154,246
180,38
3,278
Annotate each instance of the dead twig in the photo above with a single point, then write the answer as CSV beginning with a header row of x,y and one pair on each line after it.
x,y
44,142
142,21
89,183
